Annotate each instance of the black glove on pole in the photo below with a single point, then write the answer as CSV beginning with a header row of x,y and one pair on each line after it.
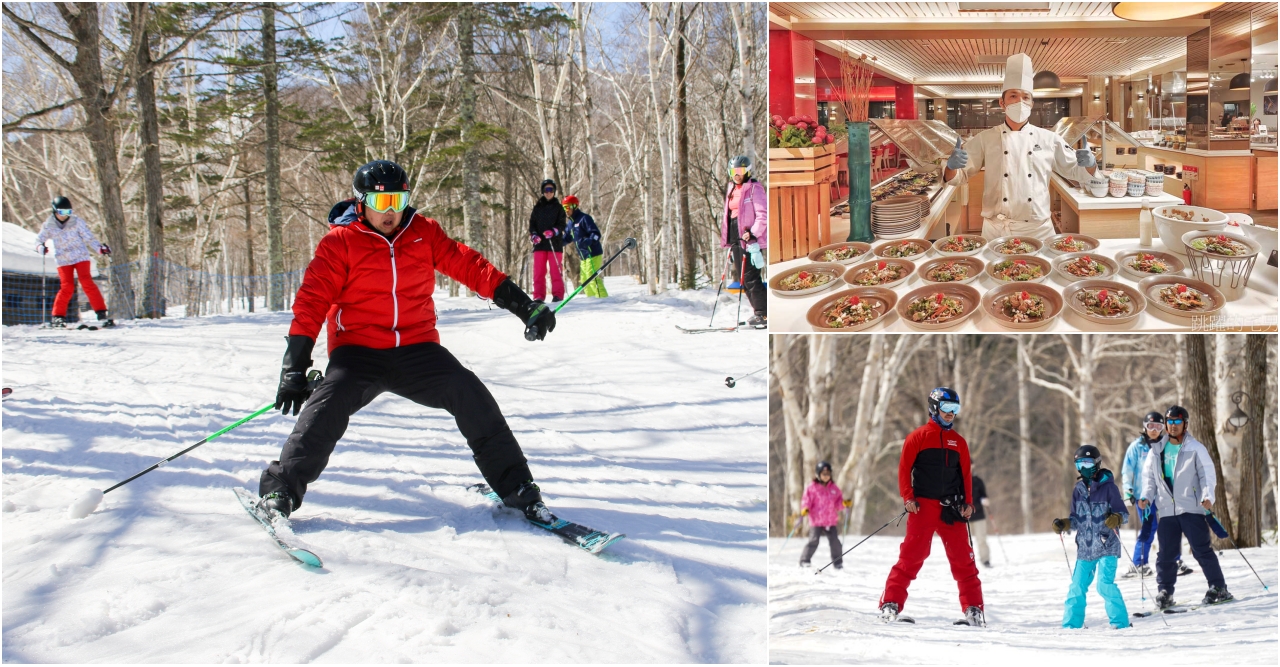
x,y
530,334
537,317
295,388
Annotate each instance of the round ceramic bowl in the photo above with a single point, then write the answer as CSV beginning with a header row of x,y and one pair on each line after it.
x,y
973,264
922,248
937,245
1172,229
1090,244
1125,258
1045,268
881,300
968,296
851,275
1075,293
1239,237
830,269
996,247
1153,287
994,304
861,251
1109,266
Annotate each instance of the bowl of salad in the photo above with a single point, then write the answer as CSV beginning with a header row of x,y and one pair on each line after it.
x,y
851,309
1015,245
959,245
880,273
807,279
1084,266
1223,245
912,249
962,270
1104,301
1019,269
934,307
1181,296
1026,306
845,252
1061,244
1139,264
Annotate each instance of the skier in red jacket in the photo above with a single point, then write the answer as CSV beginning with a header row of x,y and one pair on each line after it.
x,y
937,489
370,284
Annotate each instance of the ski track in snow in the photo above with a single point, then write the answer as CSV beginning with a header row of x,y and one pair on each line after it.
x,y
626,422
833,617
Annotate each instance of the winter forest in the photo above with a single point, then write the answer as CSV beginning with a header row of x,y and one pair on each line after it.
x,y
1028,401
216,136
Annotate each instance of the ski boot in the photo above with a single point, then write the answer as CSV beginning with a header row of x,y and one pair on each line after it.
x,y
1164,600
57,323
805,563
1216,595
986,565
759,321
1146,571
889,612
106,321
973,617
278,502
1183,569
528,499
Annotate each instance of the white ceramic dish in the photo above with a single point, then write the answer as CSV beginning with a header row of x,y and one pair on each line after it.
x,y
1172,229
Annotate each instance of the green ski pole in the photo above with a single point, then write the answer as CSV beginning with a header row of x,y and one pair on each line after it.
x,y
530,333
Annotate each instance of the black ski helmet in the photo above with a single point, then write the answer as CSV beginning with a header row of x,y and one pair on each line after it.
x,y
60,202
937,396
1088,452
545,184
1152,416
380,176
822,465
740,161
1177,412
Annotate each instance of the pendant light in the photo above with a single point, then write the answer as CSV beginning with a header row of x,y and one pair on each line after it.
x,y
1046,81
1161,11
1239,82
1270,87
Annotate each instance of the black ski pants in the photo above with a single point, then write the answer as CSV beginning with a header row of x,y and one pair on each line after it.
x,y
1169,532
750,275
426,374
833,541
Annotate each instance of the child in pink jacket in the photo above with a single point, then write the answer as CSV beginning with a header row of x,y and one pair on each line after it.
x,y
822,504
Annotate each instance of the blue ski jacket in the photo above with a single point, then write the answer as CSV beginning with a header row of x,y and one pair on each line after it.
x,y
1090,504
1134,457
584,233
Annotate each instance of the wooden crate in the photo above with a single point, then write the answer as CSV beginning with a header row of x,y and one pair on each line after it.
x,y
799,220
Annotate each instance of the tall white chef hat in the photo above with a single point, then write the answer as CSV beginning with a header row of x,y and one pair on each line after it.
x,y
1018,73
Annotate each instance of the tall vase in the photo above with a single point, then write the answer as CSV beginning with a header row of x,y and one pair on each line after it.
x,y
860,182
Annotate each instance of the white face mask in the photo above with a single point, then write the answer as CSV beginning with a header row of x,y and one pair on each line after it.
x,y
1018,112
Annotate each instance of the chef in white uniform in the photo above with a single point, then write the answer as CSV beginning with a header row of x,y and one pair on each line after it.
x,y
1018,158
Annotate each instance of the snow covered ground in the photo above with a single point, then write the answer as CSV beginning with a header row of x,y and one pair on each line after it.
x,y
832,617
627,424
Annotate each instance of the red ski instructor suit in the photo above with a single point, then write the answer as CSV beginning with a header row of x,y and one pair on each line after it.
x,y
934,465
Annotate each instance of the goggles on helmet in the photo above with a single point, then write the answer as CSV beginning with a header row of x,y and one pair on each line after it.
x,y
386,201
949,407
63,211
1086,462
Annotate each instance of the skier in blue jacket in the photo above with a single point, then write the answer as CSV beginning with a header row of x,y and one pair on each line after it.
x,y
1131,479
1097,511
582,230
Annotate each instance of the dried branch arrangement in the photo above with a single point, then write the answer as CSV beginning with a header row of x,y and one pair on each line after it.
x,y
854,93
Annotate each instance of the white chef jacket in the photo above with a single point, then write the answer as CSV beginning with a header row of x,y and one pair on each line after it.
x,y
1015,193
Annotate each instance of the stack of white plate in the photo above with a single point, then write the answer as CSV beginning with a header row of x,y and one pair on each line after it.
x,y
898,217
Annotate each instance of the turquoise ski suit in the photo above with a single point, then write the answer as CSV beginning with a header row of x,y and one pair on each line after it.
x,y
1097,549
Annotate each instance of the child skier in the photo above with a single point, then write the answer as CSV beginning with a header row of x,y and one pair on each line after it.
x,y
1097,511
581,229
71,236
822,503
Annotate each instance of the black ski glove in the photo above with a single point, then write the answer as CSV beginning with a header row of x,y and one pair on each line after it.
x,y
538,318
294,389
1061,525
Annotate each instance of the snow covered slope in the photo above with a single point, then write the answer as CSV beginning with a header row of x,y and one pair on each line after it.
x,y
626,422
833,618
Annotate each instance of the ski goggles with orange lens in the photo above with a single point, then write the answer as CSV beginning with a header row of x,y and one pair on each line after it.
x,y
386,201
738,171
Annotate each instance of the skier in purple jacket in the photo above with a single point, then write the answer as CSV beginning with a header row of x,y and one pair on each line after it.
x,y
744,229
822,504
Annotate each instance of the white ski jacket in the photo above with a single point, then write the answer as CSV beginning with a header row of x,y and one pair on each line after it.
x,y
71,240
1194,478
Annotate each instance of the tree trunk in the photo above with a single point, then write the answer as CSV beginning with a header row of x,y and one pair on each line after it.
x,y
1085,399
248,245
746,82
849,473
1200,405
1180,368
660,110
275,228
1252,459
1024,435
467,119
688,279
588,111
152,176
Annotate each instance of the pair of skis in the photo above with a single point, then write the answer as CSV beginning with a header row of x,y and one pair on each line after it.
x,y
277,527
1181,609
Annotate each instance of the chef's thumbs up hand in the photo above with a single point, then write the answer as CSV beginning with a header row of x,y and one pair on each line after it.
x,y
1084,158
959,157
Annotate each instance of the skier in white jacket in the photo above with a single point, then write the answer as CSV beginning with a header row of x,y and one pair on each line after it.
x,y
71,240
1178,475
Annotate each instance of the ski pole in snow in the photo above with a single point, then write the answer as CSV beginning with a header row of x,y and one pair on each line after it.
x,y
731,382
999,539
724,273
1141,577
846,552
87,503
44,294
530,333
742,277
1070,571
1216,527
793,532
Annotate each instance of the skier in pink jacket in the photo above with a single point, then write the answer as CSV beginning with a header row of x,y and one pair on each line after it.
x,y
822,504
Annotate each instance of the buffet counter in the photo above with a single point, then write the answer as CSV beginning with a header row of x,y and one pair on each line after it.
x,y
1247,308
1101,217
1224,179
